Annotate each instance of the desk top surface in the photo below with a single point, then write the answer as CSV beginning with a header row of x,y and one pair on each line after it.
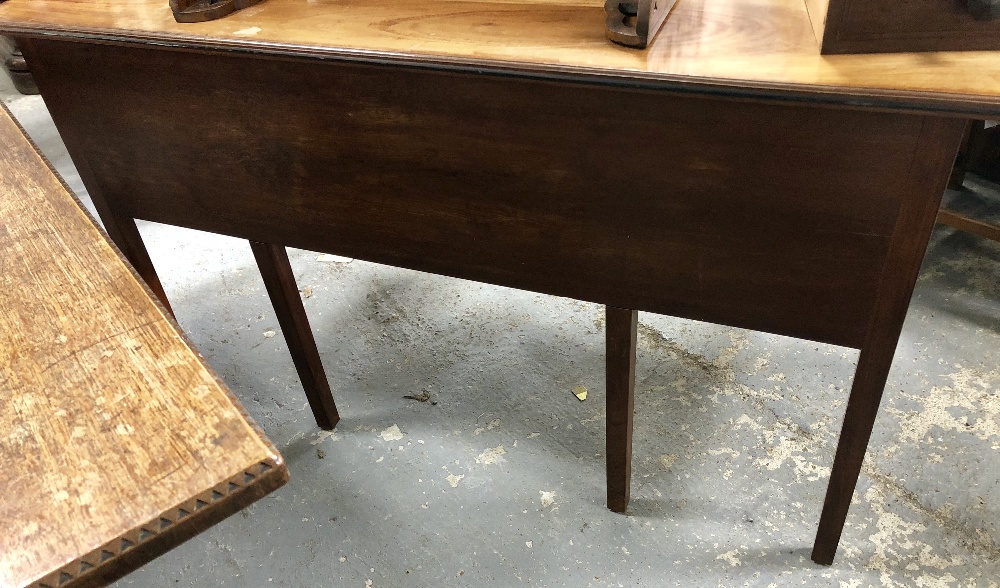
x,y
111,426
742,47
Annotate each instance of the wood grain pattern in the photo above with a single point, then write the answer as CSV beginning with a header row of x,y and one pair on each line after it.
x,y
774,218
117,441
764,48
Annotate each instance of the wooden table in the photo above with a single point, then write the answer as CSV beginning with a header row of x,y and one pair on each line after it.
x,y
728,173
117,441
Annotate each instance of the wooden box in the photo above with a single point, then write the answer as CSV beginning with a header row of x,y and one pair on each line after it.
x,y
891,26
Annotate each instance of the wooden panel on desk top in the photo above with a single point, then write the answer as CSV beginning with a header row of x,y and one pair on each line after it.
x,y
109,422
866,26
746,47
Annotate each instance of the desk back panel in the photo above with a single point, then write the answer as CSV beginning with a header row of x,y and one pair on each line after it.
x,y
762,216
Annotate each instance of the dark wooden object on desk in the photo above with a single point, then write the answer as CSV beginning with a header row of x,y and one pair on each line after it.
x,y
634,23
117,441
891,26
204,10
723,174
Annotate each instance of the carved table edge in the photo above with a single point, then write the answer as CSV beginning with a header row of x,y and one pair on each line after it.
x,y
158,535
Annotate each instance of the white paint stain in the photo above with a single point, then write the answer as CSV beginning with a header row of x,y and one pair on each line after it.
x,y
494,424
970,404
895,536
725,359
491,456
668,459
547,498
760,363
323,436
730,557
391,434
453,480
792,448
724,450
269,333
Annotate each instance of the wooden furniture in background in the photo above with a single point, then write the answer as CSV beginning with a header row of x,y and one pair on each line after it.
x,y
890,26
979,152
117,441
728,173
13,62
968,224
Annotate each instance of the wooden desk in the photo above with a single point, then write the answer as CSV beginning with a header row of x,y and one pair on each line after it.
x,y
728,173
117,441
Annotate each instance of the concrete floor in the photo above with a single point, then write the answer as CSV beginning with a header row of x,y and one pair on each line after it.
x,y
499,481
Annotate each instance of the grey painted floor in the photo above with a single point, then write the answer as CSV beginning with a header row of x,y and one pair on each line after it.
x,y
501,482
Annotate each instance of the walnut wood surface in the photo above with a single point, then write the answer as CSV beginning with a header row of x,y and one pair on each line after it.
x,y
742,47
775,218
117,441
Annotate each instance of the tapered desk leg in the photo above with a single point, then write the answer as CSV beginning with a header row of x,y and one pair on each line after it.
x,y
280,283
862,407
621,332
922,190
126,236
